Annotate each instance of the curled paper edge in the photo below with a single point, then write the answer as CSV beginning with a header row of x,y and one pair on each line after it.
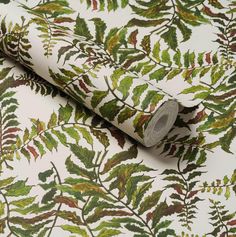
x,y
161,123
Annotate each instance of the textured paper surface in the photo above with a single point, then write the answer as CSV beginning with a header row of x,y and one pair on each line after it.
x,y
67,173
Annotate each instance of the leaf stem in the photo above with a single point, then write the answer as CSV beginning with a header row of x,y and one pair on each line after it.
x,y
168,24
58,126
77,78
123,102
220,219
60,205
8,214
120,201
49,40
114,64
187,189
226,35
187,145
84,219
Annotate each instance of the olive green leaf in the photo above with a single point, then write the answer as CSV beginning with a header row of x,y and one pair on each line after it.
x,y
81,28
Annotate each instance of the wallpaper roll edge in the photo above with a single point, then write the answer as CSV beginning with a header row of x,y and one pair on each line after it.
x,y
161,123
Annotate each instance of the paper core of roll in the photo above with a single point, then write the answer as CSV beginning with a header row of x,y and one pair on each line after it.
x,y
161,123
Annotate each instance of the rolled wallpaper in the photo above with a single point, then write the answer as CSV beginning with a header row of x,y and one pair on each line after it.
x,y
65,171
123,89
85,71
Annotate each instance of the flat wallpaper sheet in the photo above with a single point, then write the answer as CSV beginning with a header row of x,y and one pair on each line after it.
x,y
66,171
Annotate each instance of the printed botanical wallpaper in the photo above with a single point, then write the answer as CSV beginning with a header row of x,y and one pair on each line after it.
x,y
65,170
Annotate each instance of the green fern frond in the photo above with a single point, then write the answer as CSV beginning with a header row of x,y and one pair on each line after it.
x,y
67,125
226,24
221,107
15,198
103,5
224,186
48,16
36,84
96,180
223,222
186,147
183,182
51,34
9,125
14,41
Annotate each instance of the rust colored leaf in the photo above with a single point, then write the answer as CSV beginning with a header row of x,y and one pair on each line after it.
x,y
223,234
143,119
222,36
233,47
86,187
149,216
83,86
9,136
19,83
232,32
222,97
11,130
33,151
67,201
198,118
231,223
133,38
95,5
209,12
192,193
178,188
188,74
224,121
118,136
175,208
208,58
40,126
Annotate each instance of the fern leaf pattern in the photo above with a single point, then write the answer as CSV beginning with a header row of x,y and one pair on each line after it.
x,y
64,171
222,221
17,35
